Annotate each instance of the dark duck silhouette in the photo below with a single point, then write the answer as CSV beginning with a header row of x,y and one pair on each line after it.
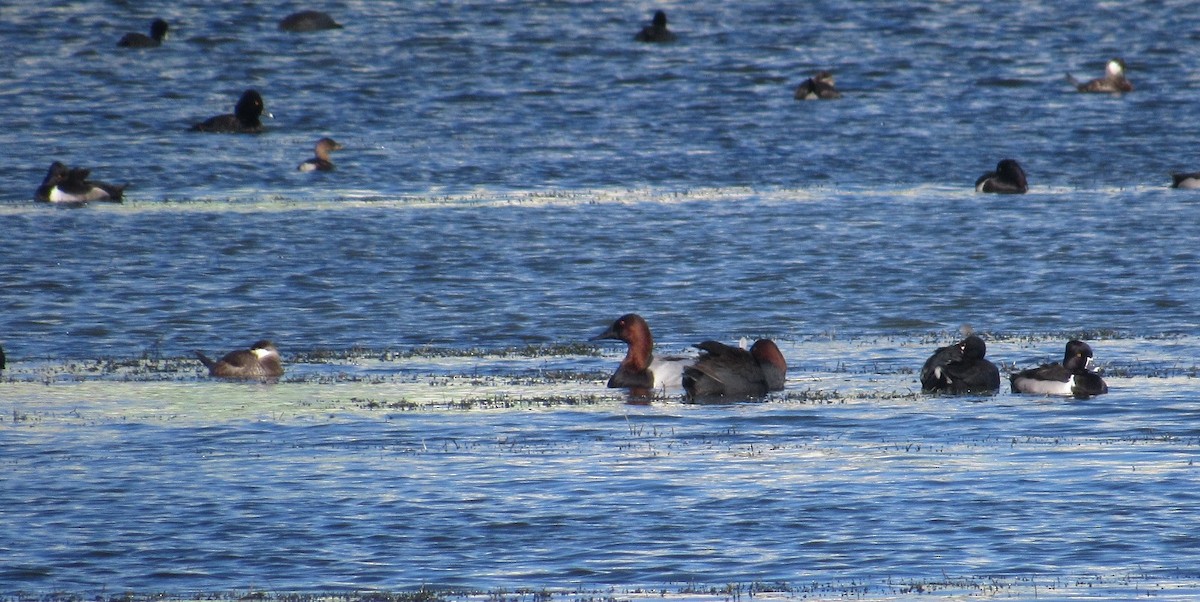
x,y
1008,178
245,118
723,372
817,87
960,369
656,31
158,32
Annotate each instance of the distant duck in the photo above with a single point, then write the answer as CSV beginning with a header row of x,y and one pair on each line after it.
x,y
54,176
260,362
158,32
63,185
819,86
960,369
1008,178
308,21
1189,181
243,120
1071,377
656,31
321,161
3,364
731,373
1112,82
640,371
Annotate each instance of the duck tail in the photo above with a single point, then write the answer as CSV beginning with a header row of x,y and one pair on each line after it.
x,y
204,359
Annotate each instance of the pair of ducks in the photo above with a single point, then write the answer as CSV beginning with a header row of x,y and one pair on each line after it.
x,y
720,371
1009,178
962,369
300,22
723,372
247,119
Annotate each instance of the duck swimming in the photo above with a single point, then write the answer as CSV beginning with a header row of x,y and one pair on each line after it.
x,y
70,185
158,32
725,372
1186,181
1113,81
243,120
307,21
260,362
321,162
641,371
656,31
1071,377
817,87
960,368
1008,178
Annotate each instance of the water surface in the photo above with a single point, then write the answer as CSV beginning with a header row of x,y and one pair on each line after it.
x,y
517,175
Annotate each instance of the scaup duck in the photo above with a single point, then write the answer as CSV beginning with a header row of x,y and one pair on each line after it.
x,y
243,120
56,174
1187,181
70,185
1071,377
960,368
158,32
725,372
819,86
1113,81
1008,178
656,31
321,161
308,20
261,361
641,371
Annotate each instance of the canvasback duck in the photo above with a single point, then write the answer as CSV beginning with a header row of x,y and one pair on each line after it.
x,y
1008,178
307,21
321,162
960,368
817,87
656,31
1113,81
641,371
260,362
1071,377
63,185
725,372
243,120
1187,181
158,32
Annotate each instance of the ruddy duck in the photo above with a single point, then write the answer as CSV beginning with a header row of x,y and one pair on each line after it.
x,y
260,362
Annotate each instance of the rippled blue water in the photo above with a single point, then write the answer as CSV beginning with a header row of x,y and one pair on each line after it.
x,y
515,176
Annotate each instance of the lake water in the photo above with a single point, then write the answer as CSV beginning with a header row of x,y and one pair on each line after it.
x,y
514,177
